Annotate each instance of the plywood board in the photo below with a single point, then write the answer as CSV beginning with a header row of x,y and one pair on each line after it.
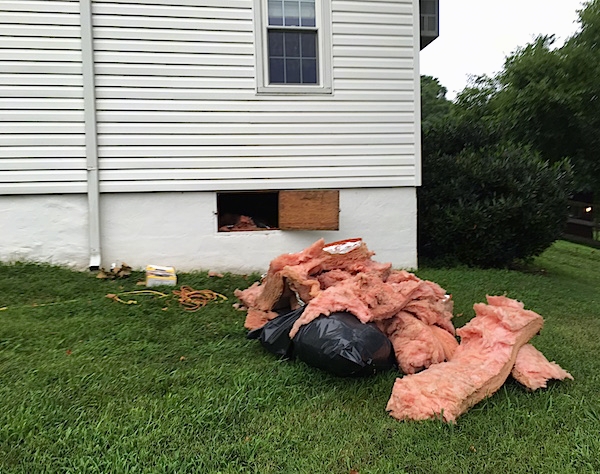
x,y
309,210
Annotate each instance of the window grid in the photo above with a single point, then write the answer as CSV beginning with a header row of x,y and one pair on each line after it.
x,y
304,62
299,13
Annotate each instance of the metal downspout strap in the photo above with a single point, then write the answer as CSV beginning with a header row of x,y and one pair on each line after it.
x,y
91,137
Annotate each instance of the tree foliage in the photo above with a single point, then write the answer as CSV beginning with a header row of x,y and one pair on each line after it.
x,y
548,98
434,105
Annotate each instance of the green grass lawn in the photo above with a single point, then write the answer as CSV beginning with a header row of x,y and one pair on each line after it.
x,y
90,385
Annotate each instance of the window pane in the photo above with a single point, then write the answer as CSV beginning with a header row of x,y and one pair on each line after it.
x,y
292,45
292,71
309,44
309,71
276,71
275,43
307,13
292,13
276,12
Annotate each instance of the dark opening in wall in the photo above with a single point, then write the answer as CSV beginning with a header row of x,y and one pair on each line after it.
x,y
247,211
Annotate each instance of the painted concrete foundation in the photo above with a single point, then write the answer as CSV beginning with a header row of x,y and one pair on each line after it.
x,y
180,229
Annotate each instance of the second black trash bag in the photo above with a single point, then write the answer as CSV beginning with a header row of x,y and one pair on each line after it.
x,y
274,336
342,345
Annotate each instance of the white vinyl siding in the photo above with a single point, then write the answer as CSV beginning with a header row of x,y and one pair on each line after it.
x,y
42,146
177,107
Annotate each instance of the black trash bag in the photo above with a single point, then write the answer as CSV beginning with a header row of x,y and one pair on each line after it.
x,y
274,336
342,345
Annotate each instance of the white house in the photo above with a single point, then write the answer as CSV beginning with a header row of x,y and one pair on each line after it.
x,y
130,128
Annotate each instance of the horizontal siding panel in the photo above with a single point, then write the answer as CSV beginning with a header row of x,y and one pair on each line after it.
x,y
42,164
192,36
137,120
200,11
173,47
199,24
375,63
30,176
45,151
374,85
235,173
404,158
169,70
41,79
185,131
192,3
41,140
246,99
43,31
256,151
395,7
362,73
36,91
38,6
171,58
41,127
157,87
78,187
20,42
35,18
255,184
24,67
41,104
212,140
368,18
33,115
366,29
40,55
373,40
376,103
375,51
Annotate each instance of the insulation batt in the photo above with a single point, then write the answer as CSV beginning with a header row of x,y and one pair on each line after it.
x,y
533,370
485,357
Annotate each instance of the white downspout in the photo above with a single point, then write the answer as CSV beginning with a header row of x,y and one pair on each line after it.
x,y
91,137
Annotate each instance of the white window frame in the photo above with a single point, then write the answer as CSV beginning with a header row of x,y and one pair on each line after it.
x,y
324,52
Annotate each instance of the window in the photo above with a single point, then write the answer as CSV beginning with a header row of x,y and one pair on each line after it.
x,y
293,46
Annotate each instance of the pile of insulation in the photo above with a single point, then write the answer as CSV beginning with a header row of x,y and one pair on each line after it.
x,y
416,316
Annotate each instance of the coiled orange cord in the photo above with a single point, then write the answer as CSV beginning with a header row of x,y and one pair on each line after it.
x,y
193,300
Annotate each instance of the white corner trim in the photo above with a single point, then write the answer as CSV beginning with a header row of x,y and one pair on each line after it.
x,y
417,87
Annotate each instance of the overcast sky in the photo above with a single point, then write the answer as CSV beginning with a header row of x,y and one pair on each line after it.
x,y
476,35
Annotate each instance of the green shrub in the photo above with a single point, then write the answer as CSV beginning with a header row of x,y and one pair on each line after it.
x,y
490,206
453,133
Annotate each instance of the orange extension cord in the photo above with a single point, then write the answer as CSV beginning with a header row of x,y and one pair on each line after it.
x,y
193,300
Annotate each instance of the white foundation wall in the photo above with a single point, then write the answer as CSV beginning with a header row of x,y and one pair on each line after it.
x,y
180,229
44,228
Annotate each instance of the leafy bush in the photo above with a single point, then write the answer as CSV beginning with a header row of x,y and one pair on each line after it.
x,y
490,206
453,133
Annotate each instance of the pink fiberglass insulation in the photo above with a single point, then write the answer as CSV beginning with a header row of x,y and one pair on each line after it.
x,y
343,277
480,365
416,344
416,315
533,370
